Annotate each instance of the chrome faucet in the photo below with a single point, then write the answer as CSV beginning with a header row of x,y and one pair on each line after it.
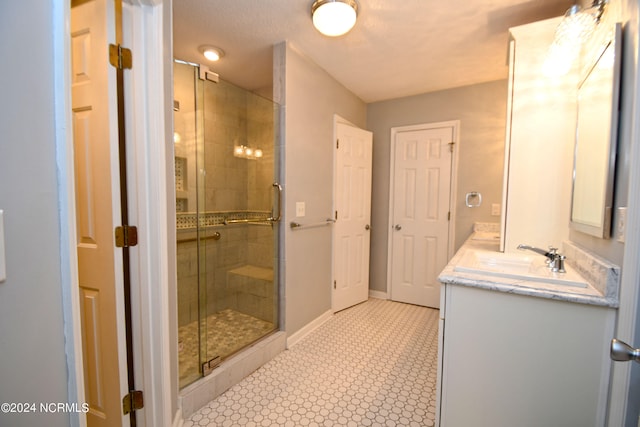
x,y
554,261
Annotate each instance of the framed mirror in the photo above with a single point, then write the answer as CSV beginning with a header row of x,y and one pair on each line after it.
x,y
596,141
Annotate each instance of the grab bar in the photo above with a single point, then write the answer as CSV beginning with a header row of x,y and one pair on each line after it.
x,y
274,218
267,221
297,225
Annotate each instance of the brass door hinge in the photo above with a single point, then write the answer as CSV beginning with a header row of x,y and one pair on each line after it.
x,y
126,236
132,402
337,143
451,144
120,57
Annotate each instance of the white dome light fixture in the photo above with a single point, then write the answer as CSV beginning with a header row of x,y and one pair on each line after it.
x,y
212,53
334,17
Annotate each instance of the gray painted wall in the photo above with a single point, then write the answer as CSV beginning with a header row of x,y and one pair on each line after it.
x,y
33,364
309,97
481,110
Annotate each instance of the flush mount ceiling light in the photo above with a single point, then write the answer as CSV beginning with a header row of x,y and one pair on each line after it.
x,y
212,53
334,17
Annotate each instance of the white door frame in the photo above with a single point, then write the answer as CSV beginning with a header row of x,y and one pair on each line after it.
x,y
149,95
455,124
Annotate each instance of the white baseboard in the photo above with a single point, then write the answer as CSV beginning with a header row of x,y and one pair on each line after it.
x,y
378,294
177,419
308,328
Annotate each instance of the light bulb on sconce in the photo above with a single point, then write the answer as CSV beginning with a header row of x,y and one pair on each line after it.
x,y
245,152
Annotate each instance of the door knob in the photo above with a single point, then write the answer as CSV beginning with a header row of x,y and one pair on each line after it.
x,y
398,227
623,352
367,227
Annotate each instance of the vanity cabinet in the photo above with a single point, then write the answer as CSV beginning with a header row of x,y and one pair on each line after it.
x,y
513,360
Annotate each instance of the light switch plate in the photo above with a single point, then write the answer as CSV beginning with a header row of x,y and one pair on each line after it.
x,y
3,269
300,209
495,209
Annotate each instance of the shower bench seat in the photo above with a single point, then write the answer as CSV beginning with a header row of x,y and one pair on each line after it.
x,y
252,287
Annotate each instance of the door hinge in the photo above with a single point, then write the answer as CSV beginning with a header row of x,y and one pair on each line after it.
x,y
336,215
337,143
335,284
448,216
210,365
126,236
451,144
132,402
120,57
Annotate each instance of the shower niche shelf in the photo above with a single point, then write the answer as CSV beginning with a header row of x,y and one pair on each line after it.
x,y
182,197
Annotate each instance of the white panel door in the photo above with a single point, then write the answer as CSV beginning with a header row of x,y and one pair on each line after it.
x,y
420,213
95,245
353,207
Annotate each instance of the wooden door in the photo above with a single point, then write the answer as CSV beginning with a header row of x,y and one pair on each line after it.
x,y
420,213
353,207
95,184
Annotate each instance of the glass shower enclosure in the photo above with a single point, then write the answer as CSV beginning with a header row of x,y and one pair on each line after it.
x,y
227,211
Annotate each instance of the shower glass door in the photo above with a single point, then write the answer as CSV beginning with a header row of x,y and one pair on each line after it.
x,y
226,221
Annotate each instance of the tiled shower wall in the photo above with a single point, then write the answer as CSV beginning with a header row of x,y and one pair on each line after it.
x,y
233,186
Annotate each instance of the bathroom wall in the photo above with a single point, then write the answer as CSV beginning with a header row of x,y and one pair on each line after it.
x,y
481,110
34,366
309,97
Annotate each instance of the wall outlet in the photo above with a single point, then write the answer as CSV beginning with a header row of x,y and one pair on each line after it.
x,y
300,209
621,224
495,209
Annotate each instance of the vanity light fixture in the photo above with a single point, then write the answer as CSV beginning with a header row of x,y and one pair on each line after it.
x,y
576,26
212,53
334,17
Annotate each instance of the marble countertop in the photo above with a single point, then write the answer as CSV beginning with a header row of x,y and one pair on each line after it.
x,y
602,289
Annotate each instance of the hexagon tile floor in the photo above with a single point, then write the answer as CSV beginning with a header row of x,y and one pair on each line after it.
x,y
370,365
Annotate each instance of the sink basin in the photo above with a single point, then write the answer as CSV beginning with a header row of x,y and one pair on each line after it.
x,y
515,266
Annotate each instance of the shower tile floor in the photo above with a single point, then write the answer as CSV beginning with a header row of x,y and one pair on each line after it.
x,y
226,332
370,365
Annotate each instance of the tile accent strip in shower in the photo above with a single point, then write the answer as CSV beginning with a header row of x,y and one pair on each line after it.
x,y
189,220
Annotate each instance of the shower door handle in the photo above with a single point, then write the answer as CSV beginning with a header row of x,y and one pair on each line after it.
x,y
273,217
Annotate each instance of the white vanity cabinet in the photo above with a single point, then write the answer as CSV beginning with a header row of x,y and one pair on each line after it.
x,y
511,360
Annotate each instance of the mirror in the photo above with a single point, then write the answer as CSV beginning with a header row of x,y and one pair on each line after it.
x,y
596,140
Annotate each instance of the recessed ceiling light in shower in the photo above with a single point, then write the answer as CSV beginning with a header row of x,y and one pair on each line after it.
x,y
212,53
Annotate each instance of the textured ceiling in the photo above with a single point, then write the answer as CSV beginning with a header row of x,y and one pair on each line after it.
x,y
397,48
